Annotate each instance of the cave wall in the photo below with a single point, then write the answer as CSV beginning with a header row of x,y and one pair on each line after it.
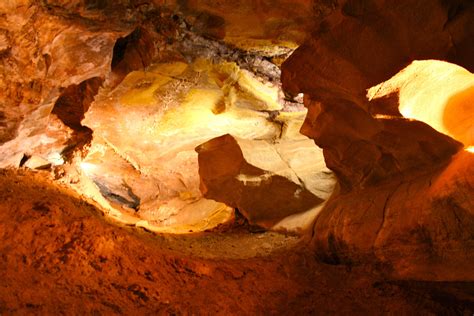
x,y
47,47
405,187
49,50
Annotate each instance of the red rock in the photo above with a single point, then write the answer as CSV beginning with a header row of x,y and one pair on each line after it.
x,y
387,209
421,225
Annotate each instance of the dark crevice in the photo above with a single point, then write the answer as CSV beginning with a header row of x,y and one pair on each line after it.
x,y
70,108
24,160
126,198
95,4
75,101
132,52
240,224
385,210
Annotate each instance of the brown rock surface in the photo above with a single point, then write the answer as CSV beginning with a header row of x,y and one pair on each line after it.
x,y
386,163
421,225
48,50
258,25
404,206
366,42
150,83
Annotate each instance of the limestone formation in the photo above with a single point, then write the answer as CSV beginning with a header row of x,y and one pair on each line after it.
x,y
114,97
255,177
438,93
145,161
405,182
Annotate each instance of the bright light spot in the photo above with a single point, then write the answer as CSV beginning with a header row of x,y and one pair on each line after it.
x,y
55,159
470,149
383,116
87,167
438,93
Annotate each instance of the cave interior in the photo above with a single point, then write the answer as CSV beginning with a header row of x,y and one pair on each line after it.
x,y
237,157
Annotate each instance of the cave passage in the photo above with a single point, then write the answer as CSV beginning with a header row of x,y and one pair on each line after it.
x,y
288,157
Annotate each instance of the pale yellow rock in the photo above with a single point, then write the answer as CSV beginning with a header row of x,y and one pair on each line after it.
x,y
146,129
438,93
252,176
307,161
37,162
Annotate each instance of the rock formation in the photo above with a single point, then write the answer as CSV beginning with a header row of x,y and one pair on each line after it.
x,y
131,96
313,143
400,202
259,180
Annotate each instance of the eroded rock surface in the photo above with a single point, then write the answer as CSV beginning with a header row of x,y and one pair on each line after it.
x,y
114,96
158,102
256,25
145,130
45,53
255,177
421,225
389,208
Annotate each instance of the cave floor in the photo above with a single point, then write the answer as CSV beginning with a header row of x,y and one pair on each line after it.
x,y
58,254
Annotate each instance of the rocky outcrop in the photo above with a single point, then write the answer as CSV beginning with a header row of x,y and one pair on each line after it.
x,y
117,93
405,187
419,225
363,150
156,101
255,177
55,54
144,162
47,52
366,42
264,26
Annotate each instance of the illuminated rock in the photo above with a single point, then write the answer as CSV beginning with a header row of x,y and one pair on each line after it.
x,y
146,129
363,44
44,54
258,178
388,209
435,92
48,143
342,59
36,162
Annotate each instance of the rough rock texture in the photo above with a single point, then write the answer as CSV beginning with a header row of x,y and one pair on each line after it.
x,y
55,54
388,207
405,200
363,150
120,91
254,177
366,42
145,160
420,225
256,24
47,51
